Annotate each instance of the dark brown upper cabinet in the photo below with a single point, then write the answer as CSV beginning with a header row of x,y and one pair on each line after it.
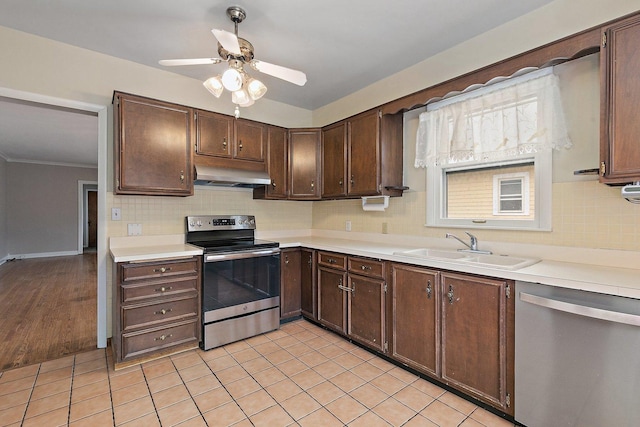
x,y
277,165
304,164
362,156
619,98
225,137
153,147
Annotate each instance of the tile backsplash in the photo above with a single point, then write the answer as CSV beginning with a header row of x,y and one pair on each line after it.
x,y
585,214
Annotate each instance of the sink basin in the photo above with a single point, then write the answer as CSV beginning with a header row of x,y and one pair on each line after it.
x,y
433,253
503,262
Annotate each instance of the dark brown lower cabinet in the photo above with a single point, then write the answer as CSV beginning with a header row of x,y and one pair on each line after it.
x,y
415,318
308,290
366,311
477,333
290,283
352,298
332,302
457,328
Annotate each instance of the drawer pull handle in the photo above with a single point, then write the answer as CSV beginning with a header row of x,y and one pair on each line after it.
x,y
164,311
163,289
331,261
161,270
163,337
450,294
429,289
365,267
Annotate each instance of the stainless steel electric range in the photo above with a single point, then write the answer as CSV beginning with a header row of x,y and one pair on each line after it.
x,y
240,278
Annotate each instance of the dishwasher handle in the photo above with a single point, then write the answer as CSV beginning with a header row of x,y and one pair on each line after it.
x,y
582,310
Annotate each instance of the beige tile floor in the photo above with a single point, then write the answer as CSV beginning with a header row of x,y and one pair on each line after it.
x,y
300,375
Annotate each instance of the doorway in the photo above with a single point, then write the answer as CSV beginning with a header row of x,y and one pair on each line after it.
x,y
100,271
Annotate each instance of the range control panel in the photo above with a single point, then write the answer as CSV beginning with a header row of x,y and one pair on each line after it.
x,y
220,222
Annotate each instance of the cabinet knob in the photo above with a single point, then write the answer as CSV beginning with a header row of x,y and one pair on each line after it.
x,y
181,176
286,259
240,146
352,180
164,289
313,184
164,311
273,183
428,289
163,337
224,143
450,294
365,267
161,269
341,182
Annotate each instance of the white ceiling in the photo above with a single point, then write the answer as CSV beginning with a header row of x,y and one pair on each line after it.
x,y
342,45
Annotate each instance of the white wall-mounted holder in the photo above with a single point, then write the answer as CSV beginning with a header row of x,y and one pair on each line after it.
x,y
375,203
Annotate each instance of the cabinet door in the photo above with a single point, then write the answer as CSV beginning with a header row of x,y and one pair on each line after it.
x,y
620,97
277,162
364,155
214,135
474,337
415,326
304,147
250,141
289,283
307,283
334,161
331,300
153,147
366,313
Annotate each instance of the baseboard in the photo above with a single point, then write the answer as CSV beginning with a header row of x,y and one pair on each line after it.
x,y
41,255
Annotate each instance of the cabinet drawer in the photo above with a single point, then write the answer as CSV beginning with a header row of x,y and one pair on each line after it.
x,y
159,288
366,267
147,341
158,269
332,260
136,317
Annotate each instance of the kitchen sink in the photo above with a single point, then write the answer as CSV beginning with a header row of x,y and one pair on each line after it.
x,y
503,262
432,253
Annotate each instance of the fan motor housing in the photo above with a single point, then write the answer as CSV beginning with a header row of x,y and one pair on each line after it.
x,y
246,51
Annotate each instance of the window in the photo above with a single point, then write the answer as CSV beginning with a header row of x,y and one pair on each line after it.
x,y
488,154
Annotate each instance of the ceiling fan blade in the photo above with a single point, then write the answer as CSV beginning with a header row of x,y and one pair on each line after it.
x,y
294,76
228,40
194,61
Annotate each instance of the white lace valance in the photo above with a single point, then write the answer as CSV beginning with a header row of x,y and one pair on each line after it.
x,y
512,119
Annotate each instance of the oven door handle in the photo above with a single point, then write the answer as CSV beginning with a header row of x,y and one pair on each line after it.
x,y
240,255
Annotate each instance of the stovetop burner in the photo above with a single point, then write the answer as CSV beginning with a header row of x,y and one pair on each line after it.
x,y
224,233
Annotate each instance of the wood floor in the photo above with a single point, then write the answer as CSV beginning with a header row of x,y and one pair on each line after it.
x,y
47,309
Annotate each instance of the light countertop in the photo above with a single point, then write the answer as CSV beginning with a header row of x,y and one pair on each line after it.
x,y
602,279
608,279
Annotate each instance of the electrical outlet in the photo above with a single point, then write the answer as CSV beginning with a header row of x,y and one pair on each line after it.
x,y
385,229
134,229
347,225
115,214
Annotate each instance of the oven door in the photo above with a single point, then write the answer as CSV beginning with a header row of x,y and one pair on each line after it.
x,y
240,283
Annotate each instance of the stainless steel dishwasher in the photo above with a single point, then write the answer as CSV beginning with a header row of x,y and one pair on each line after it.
x,y
577,358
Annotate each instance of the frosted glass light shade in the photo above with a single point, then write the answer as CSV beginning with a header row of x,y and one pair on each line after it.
x,y
232,79
256,89
214,85
240,97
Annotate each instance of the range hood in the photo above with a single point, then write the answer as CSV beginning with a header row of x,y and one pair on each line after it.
x,y
227,177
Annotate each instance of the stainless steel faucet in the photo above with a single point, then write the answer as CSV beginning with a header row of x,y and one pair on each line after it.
x,y
472,245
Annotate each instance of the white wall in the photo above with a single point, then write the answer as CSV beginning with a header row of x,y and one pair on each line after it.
x,y
558,19
42,208
4,250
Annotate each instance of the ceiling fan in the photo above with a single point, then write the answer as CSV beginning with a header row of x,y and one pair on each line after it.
x,y
238,52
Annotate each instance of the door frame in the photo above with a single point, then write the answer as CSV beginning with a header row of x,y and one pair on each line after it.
x,y
82,212
103,113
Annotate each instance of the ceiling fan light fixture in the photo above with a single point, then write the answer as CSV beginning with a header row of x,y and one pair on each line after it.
x,y
214,85
232,79
256,89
